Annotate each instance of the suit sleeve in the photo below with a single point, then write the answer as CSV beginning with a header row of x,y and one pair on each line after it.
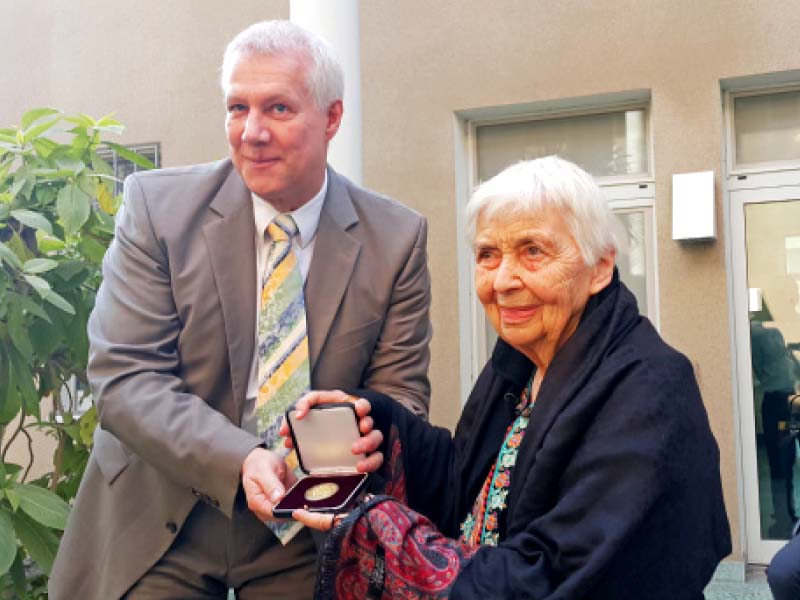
x,y
399,364
134,367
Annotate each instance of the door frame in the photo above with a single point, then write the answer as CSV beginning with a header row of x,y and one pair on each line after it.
x,y
752,189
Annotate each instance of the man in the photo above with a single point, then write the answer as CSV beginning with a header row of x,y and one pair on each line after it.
x,y
179,482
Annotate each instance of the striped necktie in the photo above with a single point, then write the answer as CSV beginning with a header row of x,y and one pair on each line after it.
x,y
283,371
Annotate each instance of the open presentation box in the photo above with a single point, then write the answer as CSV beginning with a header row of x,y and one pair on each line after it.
x,y
322,440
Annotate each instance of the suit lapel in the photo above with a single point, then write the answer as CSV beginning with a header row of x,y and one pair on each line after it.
x,y
335,255
230,237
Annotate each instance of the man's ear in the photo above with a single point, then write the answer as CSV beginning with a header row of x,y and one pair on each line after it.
x,y
335,112
602,272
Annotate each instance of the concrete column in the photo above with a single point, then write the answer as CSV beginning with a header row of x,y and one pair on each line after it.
x,y
338,22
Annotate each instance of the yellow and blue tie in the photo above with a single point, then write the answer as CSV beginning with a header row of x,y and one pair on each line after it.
x,y
283,368
283,371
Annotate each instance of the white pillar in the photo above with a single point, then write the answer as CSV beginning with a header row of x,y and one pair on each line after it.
x,y
337,21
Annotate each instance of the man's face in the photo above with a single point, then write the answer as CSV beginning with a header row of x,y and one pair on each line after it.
x,y
277,134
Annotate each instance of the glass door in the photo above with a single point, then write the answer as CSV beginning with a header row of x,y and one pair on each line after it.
x,y
766,278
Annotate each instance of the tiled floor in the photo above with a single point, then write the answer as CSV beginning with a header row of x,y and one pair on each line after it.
x,y
753,588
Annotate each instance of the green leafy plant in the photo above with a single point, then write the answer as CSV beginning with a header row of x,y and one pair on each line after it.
x,y
56,220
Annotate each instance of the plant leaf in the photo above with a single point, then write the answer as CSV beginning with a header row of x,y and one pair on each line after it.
x,y
19,183
48,243
45,337
39,265
18,332
6,384
108,120
67,269
13,497
100,165
32,219
35,114
130,155
49,174
37,283
8,256
88,423
35,131
73,208
58,301
92,249
105,198
10,400
39,541
17,245
5,167
116,127
22,374
82,121
18,580
29,305
11,470
44,146
68,163
8,542
42,505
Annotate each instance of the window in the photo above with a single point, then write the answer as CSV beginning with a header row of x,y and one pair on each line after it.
x,y
122,167
609,144
766,128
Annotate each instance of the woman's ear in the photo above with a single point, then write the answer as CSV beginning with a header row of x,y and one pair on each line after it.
x,y
603,271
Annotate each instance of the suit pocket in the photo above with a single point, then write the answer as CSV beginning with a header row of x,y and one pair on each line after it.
x,y
363,336
111,455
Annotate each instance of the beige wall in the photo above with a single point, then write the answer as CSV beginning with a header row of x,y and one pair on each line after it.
x,y
155,64
422,61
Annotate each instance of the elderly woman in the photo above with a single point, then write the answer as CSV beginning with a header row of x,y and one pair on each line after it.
x,y
583,465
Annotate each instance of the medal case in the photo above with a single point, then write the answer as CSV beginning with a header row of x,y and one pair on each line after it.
x,y
322,440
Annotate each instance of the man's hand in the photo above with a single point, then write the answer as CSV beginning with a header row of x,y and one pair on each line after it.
x,y
370,439
318,521
265,478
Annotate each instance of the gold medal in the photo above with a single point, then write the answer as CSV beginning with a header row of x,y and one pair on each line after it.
x,y
321,491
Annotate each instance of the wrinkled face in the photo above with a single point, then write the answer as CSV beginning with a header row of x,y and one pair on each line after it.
x,y
278,136
532,280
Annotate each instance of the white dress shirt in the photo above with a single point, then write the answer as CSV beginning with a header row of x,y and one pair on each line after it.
x,y
307,219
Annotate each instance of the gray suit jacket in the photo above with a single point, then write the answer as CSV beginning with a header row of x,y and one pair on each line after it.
x,y
172,340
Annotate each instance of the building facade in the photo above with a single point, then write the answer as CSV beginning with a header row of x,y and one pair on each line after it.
x,y
452,91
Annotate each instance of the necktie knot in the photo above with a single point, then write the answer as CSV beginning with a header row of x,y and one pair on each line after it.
x,y
282,228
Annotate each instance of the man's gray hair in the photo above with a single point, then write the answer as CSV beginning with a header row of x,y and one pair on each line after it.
x,y
529,186
325,77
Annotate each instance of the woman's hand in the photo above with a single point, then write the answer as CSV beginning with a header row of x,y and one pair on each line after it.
x,y
367,444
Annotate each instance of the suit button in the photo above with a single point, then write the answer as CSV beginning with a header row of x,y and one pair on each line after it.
x,y
172,527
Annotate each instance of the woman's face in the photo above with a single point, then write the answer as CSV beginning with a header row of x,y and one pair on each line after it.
x,y
532,280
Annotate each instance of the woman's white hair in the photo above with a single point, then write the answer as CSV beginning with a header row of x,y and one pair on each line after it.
x,y
325,77
531,185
